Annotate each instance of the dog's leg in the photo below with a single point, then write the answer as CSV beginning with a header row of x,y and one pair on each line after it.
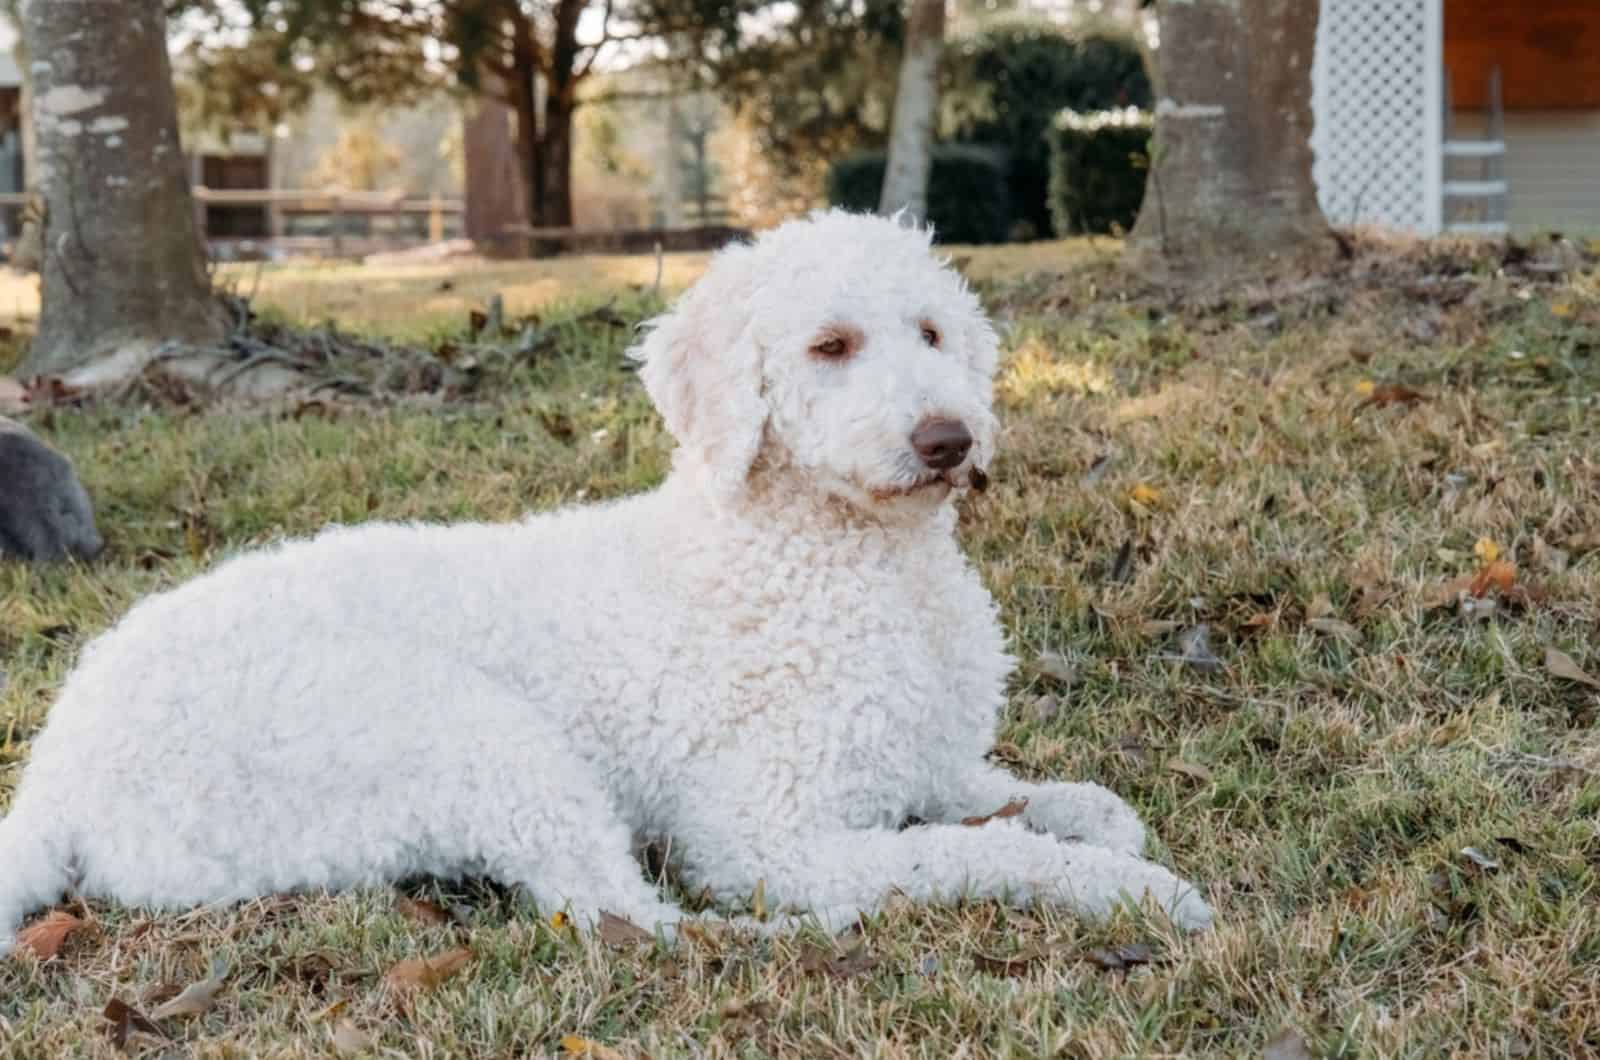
x,y
562,840
1086,813
837,873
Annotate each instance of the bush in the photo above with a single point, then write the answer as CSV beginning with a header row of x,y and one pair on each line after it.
x,y
968,201
1005,85
1098,165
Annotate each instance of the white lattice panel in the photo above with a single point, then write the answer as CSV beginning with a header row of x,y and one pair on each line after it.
x,y
1376,84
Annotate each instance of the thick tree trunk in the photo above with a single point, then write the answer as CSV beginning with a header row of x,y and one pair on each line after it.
x,y
1230,175
555,160
494,176
905,177
122,269
561,100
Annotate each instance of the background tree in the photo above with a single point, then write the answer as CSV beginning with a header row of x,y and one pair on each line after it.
x,y
916,100
359,160
1230,173
814,86
527,56
121,267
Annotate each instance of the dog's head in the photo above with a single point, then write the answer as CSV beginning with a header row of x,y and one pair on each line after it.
x,y
838,345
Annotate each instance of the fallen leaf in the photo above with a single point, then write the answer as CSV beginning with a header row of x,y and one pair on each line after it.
x,y
1017,964
1260,620
126,1020
1385,394
1145,495
756,1010
1564,310
821,960
1010,809
573,1045
1559,664
1118,958
1287,1045
1195,649
1319,607
426,973
1045,707
1365,387
560,920
1189,769
350,1040
1486,550
1056,668
1479,859
1498,574
46,937
1334,627
421,910
619,931
197,998
1158,627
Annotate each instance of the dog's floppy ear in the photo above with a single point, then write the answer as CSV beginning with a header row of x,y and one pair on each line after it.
x,y
701,365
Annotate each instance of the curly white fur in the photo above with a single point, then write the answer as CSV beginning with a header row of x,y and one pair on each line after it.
x,y
774,659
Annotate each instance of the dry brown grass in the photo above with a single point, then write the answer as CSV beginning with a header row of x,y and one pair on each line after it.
x,y
1168,463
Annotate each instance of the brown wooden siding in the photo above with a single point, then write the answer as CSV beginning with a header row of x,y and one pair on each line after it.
x,y
1548,52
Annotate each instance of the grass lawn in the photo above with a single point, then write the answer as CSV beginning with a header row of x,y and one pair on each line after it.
x,y
1285,567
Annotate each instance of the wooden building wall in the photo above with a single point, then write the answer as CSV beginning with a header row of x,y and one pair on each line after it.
x,y
1548,52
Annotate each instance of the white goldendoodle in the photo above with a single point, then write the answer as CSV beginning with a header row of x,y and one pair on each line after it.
x,y
774,659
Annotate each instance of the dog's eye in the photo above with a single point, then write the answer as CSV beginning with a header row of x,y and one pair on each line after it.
x,y
930,335
832,347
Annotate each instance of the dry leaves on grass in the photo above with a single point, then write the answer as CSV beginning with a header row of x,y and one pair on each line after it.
x,y
1382,395
1192,770
1287,1045
426,973
821,960
350,1040
1558,663
573,1045
195,999
45,938
1194,649
619,931
1013,808
421,910
1015,965
1121,958
126,1021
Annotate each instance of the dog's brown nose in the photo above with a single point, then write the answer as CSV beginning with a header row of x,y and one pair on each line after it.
x,y
942,444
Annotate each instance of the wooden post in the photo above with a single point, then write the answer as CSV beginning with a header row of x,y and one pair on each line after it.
x,y
436,218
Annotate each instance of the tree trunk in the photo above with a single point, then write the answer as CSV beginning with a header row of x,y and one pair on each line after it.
x,y
494,176
122,270
560,101
916,98
555,160
1230,174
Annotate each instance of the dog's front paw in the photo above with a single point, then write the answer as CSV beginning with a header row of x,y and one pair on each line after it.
x,y
1087,813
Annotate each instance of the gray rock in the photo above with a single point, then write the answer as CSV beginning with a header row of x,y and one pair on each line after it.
x,y
45,513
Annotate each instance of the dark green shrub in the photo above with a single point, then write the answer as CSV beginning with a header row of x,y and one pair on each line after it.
x,y
968,201
1098,165
1005,84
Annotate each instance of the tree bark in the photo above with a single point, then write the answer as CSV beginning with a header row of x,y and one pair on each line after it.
x,y
122,270
916,98
494,176
1230,174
